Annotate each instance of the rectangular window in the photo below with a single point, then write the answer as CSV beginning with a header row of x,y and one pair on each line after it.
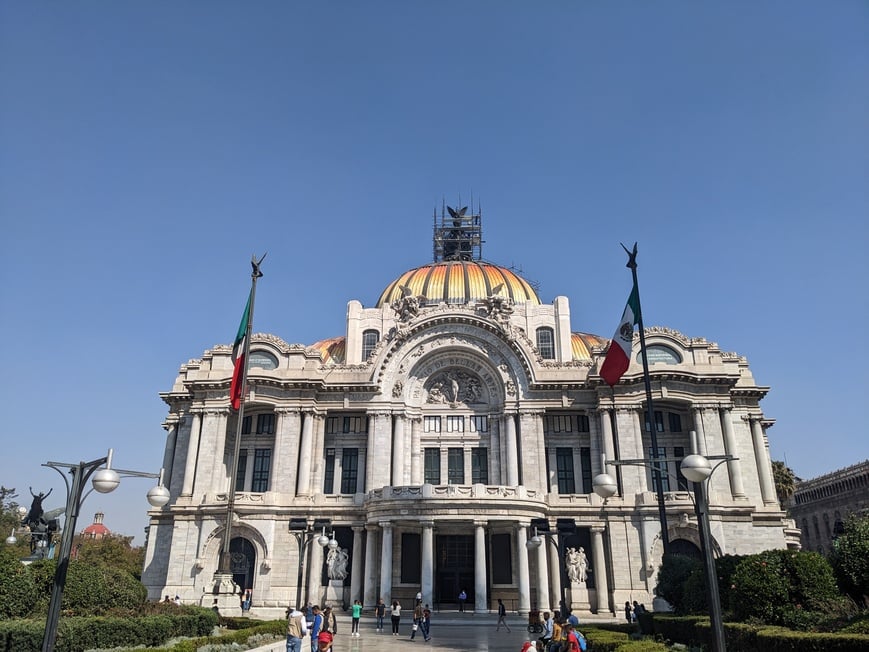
x,y
679,453
240,472
659,470
582,423
329,472
564,466
262,462
659,421
332,425
480,465
432,469
559,423
431,424
585,462
455,424
455,466
355,425
502,572
245,426
349,470
480,424
265,424
675,422
411,558
546,343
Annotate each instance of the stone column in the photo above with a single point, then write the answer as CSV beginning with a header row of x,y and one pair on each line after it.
x,y
398,451
512,459
701,433
531,443
318,459
192,453
169,454
427,579
361,467
524,580
370,591
286,454
220,473
542,576
386,563
306,452
208,452
315,571
416,451
736,488
600,569
356,565
481,599
248,470
494,450
764,466
606,440
379,451
551,545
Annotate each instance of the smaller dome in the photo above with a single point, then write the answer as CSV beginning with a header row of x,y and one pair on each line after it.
x,y
583,343
459,282
332,351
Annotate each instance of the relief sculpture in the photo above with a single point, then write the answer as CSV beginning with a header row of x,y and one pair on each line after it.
x,y
454,387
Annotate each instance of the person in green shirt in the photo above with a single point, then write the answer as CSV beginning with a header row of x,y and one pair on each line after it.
x,y
356,612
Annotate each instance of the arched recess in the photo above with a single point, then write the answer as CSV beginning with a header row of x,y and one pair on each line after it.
x,y
211,548
687,532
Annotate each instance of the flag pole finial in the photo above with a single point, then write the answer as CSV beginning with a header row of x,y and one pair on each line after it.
x,y
632,256
254,263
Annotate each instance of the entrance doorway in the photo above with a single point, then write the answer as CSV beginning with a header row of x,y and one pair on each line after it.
x,y
242,561
455,569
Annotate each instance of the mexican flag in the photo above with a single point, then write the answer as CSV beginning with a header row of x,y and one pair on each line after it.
x,y
618,357
239,359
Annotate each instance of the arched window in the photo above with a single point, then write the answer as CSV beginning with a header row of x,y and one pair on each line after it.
x,y
546,343
658,353
369,341
263,360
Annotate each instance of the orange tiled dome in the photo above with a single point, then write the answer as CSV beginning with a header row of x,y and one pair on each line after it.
x,y
458,282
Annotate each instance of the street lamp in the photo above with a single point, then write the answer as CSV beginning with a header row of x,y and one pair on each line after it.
x,y
303,534
104,480
565,527
697,469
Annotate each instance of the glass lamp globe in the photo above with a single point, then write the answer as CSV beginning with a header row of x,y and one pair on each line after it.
x,y
696,468
604,485
534,542
106,480
158,496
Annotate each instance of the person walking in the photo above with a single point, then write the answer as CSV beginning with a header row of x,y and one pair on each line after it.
x,y
462,599
502,616
425,623
316,626
395,612
297,628
380,613
355,613
417,617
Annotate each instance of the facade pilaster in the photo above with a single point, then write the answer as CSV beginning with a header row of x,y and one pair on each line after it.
x,y
315,571
192,453
524,580
306,452
377,466
416,451
764,466
398,450
630,437
600,569
701,433
494,450
510,451
386,563
356,565
370,591
169,453
481,599
204,459
220,470
542,575
532,458
427,579
737,490
286,454
318,461
719,482
551,545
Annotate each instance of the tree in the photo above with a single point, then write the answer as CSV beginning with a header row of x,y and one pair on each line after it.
x,y
785,482
112,551
850,558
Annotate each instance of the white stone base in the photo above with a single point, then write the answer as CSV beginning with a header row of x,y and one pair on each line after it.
x,y
335,593
578,597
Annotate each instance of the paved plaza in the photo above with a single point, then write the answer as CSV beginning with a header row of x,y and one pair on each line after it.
x,y
450,632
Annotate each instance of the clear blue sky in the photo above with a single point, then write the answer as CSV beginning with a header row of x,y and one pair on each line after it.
x,y
147,149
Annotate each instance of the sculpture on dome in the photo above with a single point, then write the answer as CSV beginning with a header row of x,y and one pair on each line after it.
x,y
498,307
407,307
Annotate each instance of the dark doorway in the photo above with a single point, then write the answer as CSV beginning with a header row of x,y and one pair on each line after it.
x,y
684,547
455,569
242,562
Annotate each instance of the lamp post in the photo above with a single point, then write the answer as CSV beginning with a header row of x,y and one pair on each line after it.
x,y
304,533
565,527
104,480
697,469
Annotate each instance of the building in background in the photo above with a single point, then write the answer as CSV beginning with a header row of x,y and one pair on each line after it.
x,y
820,505
96,530
447,417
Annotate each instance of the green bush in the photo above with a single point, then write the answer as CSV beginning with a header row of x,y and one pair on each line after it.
x,y
93,589
672,576
17,591
850,558
760,587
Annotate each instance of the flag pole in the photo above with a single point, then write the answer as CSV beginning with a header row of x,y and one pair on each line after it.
x,y
650,411
223,576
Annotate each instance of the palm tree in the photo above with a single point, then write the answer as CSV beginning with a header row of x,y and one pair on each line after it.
x,y
785,482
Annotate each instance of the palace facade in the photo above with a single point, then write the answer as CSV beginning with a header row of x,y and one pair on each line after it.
x,y
452,421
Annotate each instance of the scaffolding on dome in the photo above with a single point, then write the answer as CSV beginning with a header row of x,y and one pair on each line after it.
x,y
457,235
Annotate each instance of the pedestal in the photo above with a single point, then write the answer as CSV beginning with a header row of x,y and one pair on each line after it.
x,y
224,595
579,597
335,593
